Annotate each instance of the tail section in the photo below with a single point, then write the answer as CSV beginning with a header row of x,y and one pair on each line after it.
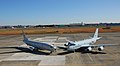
x,y
96,34
25,38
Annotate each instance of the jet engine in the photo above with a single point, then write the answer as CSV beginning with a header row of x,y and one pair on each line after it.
x,y
33,48
66,44
89,49
101,48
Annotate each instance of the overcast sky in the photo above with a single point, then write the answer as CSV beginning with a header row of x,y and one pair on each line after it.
x,y
28,12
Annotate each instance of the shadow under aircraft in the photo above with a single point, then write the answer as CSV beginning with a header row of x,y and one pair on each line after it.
x,y
82,51
22,49
27,50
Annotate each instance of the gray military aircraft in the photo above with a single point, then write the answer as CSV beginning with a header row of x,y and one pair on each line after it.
x,y
34,46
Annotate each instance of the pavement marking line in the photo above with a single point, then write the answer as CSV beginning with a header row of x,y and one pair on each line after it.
x,y
81,59
52,60
45,60
90,57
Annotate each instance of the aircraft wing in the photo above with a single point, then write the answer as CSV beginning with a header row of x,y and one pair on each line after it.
x,y
97,45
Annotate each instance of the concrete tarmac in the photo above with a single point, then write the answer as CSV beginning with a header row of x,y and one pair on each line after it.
x,y
13,52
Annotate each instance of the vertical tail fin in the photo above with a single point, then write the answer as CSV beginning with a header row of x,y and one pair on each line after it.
x,y
96,33
25,38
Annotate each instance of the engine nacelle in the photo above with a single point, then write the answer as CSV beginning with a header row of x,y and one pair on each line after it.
x,y
89,49
66,44
31,48
101,48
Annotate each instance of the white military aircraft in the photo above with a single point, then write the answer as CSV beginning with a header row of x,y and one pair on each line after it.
x,y
38,45
86,44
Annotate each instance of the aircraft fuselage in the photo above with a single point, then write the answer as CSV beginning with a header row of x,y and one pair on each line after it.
x,y
39,45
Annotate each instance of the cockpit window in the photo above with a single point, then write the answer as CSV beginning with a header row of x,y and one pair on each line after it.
x,y
51,47
71,44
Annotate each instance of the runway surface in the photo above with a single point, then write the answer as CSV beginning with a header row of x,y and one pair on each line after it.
x,y
13,52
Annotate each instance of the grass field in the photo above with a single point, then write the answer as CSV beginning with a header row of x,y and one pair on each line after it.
x,y
56,30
